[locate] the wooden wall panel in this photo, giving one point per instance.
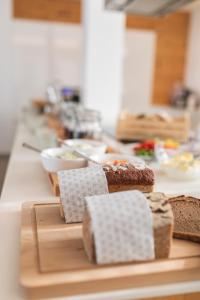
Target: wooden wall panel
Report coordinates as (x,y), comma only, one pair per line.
(138,22)
(193,296)
(171,50)
(68,11)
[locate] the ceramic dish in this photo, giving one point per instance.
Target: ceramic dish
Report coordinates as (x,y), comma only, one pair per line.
(110,158)
(57,159)
(89,147)
(182,167)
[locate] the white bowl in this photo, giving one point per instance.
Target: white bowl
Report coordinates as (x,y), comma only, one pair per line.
(111,157)
(176,173)
(51,163)
(89,147)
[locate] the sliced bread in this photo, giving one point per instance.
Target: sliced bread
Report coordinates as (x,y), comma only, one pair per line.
(186,211)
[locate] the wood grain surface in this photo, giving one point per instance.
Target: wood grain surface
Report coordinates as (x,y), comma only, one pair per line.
(67,11)
(53,262)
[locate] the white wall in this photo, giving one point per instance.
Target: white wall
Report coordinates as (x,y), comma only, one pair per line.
(7,110)
(103,59)
(140,47)
(192,77)
(32,54)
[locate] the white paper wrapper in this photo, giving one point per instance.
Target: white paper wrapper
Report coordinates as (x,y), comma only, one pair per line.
(122,227)
(75,185)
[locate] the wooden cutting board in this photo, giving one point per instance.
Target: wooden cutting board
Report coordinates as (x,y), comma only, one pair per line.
(53,261)
(54,183)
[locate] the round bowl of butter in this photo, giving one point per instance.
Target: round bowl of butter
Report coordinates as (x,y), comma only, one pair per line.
(57,159)
(183,166)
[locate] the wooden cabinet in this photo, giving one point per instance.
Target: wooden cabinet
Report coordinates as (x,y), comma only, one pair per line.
(68,11)
(171,50)
(194,296)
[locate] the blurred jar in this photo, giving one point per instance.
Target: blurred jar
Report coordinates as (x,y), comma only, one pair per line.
(80,122)
(66,94)
(88,125)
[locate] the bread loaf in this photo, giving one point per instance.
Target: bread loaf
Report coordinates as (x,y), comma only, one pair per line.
(162,227)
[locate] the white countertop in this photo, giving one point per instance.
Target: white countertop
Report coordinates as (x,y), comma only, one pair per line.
(27,181)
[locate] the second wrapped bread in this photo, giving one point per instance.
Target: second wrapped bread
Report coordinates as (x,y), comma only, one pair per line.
(130,224)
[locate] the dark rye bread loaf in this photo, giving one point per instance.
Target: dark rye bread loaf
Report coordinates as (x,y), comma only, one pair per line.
(129,177)
(186,211)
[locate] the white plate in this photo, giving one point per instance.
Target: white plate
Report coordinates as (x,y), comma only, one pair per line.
(110,157)
(89,147)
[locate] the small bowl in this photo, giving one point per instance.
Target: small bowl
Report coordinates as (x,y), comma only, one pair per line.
(176,173)
(111,157)
(89,147)
(51,163)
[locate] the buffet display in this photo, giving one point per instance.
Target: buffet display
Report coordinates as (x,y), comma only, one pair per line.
(109,215)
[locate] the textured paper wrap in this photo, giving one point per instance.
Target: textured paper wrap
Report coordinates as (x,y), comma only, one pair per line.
(122,227)
(75,185)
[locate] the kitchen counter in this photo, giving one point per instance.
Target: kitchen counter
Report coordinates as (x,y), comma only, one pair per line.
(27,181)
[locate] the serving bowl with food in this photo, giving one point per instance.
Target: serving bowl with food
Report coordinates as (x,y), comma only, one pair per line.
(183,166)
(57,159)
(146,149)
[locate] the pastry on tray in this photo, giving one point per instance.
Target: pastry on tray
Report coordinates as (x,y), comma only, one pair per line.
(162,225)
(123,176)
(186,211)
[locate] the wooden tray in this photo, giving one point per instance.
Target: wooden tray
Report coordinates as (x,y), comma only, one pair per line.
(54,183)
(130,128)
(53,261)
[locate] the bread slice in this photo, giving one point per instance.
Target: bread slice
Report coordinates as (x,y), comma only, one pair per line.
(186,211)
(162,227)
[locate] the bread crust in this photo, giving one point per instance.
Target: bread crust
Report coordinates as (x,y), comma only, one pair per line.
(127,187)
(88,238)
(187,236)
